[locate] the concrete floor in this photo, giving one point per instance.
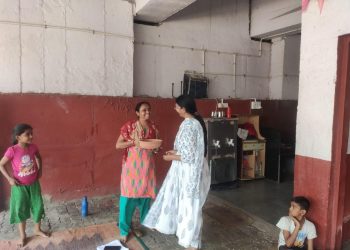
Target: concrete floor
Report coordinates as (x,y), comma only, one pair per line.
(263,198)
(346,245)
(226,227)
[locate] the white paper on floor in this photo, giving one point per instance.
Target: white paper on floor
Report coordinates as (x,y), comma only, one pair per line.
(115,243)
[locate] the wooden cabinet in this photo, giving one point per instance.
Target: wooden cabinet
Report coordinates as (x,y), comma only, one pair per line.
(251,152)
(252,159)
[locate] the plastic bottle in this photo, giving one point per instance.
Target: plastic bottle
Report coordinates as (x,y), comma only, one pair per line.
(84,207)
(229,112)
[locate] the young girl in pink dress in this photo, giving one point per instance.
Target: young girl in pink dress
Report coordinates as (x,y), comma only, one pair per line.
(26,196)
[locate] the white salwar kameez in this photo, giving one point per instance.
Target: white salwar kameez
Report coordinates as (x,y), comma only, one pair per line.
(178,206)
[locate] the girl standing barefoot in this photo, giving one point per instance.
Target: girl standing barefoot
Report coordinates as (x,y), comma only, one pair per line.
(25,187)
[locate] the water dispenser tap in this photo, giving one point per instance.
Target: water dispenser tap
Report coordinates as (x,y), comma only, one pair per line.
(216,143)
(230,142)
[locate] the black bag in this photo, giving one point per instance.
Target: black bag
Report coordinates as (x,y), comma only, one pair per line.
(112,248)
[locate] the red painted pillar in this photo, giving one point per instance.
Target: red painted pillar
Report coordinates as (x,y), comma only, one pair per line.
(325,182)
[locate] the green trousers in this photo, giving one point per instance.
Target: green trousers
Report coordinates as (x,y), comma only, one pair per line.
(127,208)
(26,200)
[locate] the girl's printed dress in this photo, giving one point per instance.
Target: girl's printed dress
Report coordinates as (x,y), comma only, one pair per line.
(138,173)
(178,206)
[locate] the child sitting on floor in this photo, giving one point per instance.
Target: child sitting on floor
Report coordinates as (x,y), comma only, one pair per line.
(295,228)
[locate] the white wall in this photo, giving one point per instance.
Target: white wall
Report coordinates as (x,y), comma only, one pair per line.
(66,56)
(163,53)
(139,4)
(277,68)
(269,17)
(291,67)
(284,72)
(318,68)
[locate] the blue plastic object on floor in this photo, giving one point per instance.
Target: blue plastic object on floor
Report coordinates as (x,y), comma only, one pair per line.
(84,207)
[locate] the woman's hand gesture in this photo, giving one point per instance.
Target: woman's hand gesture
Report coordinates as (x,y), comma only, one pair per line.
(171,152)
(135,139)
(136,142)
(167,157)
(171,155)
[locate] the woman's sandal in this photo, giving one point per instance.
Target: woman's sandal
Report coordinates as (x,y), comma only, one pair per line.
(123,238)
(137,232)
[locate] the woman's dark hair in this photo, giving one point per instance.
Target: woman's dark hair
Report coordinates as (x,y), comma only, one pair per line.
(18,130)
(187,102)
(138,106)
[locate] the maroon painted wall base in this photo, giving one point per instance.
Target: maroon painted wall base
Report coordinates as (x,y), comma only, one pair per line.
(312,180)
(76,136)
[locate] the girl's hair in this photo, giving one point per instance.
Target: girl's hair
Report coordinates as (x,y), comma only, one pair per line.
(18,130)
(187,102)
(138,106)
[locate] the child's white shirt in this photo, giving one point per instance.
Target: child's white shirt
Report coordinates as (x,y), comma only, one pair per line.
(307,231)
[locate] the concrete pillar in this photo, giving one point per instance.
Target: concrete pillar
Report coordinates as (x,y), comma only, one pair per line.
(314,139)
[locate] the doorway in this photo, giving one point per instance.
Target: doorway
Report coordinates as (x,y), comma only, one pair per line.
(339,231)
(269,198)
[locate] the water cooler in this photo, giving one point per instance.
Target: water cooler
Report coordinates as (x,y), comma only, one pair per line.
(222,149)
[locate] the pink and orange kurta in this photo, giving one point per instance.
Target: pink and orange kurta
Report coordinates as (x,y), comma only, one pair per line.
(138,169)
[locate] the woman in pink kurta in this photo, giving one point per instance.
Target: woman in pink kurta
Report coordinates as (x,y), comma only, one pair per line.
(138,182)
(138,177)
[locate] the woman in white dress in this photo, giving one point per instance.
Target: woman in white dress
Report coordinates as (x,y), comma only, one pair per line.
(178,206)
